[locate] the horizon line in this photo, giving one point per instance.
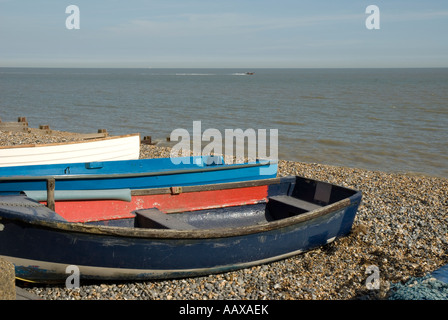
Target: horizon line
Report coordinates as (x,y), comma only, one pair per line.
(248,68)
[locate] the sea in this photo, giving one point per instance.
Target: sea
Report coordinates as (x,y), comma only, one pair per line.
(393,120)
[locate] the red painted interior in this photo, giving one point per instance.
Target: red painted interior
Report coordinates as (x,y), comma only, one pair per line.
(95,210)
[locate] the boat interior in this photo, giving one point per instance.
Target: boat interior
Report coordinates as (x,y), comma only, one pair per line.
(287,199)
(237,205)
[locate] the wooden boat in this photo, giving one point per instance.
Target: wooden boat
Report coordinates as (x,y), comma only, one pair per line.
(198,230)
(131,174)
(124,147)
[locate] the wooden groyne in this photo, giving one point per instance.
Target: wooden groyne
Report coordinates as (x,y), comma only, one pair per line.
(22,126)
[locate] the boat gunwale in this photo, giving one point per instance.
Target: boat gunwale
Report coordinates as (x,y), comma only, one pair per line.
(171,234)
(137,174)
(83,141)
(207,187)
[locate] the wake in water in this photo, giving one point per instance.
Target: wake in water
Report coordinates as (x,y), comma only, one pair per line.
(212,74)
(195,74)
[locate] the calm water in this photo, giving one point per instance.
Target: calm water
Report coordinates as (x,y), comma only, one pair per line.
(382,119)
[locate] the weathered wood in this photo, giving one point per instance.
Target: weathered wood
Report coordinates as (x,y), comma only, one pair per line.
(207,187)
(87,136)
(147,140)
(80,136)
(45,128)
(154,218)
(14,126)
(176,190)
(305,205)
(22,119)
(51,183)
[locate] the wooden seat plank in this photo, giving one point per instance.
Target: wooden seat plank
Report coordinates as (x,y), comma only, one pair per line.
(154,218)
(305,205)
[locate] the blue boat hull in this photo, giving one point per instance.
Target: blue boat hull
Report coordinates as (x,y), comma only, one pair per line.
(130,174)
(42,248)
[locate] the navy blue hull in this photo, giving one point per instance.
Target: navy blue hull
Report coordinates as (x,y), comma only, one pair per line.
(163,258)
(42,251)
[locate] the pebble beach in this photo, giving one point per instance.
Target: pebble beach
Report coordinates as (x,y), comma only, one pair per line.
(401,231)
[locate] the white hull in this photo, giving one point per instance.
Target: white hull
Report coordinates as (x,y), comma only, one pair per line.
(125,147)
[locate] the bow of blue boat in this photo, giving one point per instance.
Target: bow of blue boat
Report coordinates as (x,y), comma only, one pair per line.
(133,174)
(110,167)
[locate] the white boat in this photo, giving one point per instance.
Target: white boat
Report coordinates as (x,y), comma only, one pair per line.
(124,147)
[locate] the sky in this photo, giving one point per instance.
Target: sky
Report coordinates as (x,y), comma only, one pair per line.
(224,34)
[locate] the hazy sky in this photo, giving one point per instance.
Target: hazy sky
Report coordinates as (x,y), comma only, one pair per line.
(224,33)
